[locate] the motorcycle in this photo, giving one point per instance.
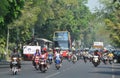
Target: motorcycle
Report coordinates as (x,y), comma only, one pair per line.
(105,59)
(69,57)
(78,56)
(96,61)
(36,62)
(57,63)
(74,59)
(50,59)
(110,60)
(42,65)
(15,65)
(85,59)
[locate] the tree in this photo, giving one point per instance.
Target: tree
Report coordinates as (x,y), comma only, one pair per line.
(112,16)
(9,10)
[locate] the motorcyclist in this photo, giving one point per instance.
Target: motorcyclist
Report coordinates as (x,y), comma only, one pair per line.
(85,55)
(37,53)
(15,54)
(69,55)
(44,55)
(110,57)
(110,54)
(58,55)
(97,53)
(50,55)
(74,57)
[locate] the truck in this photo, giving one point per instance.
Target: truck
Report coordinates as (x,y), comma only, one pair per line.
(98,45)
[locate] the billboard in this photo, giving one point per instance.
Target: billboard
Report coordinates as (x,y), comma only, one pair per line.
(98,43)
(30,49)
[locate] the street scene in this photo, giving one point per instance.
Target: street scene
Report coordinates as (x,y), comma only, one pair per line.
(59,38)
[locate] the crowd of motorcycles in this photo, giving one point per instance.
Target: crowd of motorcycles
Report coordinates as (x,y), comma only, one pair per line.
(43,65)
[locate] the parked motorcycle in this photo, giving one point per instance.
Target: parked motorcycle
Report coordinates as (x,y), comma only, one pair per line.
(15,65)
(96,61)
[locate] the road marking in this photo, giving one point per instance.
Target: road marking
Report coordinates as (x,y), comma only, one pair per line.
(49,76)
(113,75)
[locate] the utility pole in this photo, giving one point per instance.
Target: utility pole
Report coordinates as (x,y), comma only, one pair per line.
(7,42)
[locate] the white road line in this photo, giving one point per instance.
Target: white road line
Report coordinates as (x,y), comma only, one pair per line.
(49,76)
(113,75)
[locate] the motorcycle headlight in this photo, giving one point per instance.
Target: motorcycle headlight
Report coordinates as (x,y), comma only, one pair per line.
(14,58)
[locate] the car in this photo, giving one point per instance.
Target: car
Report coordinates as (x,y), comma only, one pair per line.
(64,53)
(116,58)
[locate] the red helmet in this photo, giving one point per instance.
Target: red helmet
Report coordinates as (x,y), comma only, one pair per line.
(44,49)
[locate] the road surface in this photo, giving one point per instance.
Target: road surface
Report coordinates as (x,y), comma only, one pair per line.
(68,70)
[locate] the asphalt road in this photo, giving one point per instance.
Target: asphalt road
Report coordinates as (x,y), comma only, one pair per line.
(68,70)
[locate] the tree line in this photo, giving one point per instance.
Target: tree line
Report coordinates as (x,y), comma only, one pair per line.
(21,19)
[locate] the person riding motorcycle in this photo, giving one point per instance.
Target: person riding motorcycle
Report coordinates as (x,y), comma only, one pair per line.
(44,55)
(110,57)
(69,55)
(50,56)
(37,53)
(97,53)
(74,57)
(85,55)
(58,56)
(15,54)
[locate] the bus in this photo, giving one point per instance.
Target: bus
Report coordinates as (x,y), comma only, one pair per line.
(62,40)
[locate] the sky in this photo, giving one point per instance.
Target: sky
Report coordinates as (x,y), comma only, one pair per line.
(92,4)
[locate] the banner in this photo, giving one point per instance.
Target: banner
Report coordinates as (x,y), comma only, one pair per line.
(30,49)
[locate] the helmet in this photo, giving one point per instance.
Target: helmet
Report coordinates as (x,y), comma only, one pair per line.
(96,50)
(44,49)
(37,49)
(15,49)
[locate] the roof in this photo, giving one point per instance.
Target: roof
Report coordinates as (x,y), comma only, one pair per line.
(46,40)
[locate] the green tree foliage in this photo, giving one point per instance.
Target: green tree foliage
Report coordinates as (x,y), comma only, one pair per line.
(9,10)
(45,16)
(112,16)
(69,15)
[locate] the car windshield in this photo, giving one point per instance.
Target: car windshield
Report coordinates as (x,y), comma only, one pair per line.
(118,53)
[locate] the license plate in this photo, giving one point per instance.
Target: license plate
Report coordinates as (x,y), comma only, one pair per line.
(42,62)
(115,61)
(14,62)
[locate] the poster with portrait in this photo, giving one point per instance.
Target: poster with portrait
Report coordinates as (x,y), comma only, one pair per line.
(30,49)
